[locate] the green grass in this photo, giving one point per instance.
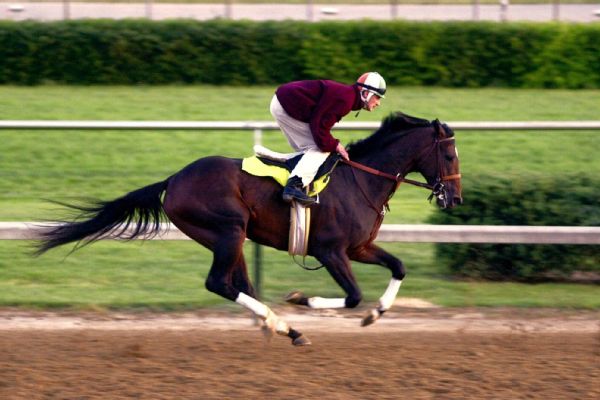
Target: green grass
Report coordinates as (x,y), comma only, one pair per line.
(170,275)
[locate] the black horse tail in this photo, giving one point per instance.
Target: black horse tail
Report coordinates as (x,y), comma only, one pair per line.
(135,214)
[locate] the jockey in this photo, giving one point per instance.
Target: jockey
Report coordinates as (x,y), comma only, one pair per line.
(307,110)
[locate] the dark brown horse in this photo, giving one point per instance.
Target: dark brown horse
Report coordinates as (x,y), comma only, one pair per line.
(218,205)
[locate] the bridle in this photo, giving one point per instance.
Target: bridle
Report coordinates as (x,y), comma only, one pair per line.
(438,189)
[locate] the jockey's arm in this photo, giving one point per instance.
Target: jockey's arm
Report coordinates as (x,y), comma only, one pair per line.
(342,151)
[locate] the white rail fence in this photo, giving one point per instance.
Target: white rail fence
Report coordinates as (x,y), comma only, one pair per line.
(259,126)
(388,233)
(399,233)
(323,10)
(270,125)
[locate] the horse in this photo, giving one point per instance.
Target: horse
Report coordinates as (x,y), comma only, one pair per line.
(218,205)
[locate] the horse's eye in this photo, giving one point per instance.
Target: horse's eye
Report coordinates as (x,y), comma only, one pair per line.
(449,157)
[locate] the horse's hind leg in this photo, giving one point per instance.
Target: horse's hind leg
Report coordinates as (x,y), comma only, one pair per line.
(233,283)
(228,276)
(241,280)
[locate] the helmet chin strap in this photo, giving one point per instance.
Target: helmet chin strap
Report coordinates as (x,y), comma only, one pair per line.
(365,98)
(364,103)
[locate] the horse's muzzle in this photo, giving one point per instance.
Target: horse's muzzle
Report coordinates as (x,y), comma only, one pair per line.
(457,201)
(443,202)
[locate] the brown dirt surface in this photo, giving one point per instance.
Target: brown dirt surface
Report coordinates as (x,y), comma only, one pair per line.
(411,354)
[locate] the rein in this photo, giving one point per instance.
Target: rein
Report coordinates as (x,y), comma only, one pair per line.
(396,178)
(437,189)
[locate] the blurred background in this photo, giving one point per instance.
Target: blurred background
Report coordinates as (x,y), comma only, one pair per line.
(515,319)
(309,10)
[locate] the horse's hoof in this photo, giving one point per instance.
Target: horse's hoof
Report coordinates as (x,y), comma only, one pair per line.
(301,341)
(295,297)
(267,332)
(370,318)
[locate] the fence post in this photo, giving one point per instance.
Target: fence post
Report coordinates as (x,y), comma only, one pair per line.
(504,10)
(394,9)
(66,9)
(148,9)
(309,10)
(258,270)
(257,136)
(228,9)
(475,10)
(555,10)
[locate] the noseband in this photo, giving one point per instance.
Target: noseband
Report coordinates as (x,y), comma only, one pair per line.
(438,189)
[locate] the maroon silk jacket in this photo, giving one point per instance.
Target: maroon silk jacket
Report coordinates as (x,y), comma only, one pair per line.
(320,104)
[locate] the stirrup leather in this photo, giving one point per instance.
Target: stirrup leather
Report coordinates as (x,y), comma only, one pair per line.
(299,229)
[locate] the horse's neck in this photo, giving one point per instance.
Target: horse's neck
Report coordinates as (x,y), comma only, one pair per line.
(397,159)
(394,160)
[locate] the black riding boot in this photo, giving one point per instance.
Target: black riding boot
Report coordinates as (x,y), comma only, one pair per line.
(293,191)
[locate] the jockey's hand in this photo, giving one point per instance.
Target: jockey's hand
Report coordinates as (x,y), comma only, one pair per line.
(342,151)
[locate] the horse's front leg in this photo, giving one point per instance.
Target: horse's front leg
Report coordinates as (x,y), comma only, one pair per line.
(338,266)
(373,254)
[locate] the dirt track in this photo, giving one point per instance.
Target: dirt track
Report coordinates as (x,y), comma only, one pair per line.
(416,354)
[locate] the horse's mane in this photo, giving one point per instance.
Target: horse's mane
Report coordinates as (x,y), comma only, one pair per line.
(393,126)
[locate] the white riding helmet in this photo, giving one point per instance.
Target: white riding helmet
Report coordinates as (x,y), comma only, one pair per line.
(373,83)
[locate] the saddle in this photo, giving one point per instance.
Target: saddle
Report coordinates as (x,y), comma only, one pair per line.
(278,166)
(268,163)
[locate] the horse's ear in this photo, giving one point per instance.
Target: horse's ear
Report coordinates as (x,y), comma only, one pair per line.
(439,129)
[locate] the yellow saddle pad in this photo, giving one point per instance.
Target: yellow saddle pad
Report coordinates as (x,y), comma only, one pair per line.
(254,166)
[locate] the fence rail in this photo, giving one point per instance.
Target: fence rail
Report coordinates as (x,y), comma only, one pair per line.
(270,125)
(391,233)
(502,10)
(400,233)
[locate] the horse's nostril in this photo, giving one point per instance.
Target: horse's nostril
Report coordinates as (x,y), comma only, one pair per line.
(458,200)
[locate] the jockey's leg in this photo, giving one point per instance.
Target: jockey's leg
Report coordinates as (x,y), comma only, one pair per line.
(299,136)
(302,175)
(309,164)
(297,133)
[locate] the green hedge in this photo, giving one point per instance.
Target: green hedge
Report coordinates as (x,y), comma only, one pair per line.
(233,52)
(543,201)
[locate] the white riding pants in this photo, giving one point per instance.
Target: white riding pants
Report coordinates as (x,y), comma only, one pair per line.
(299,136)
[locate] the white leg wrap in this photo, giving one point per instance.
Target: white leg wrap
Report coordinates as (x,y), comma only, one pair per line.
(262,311)
(253,305)
(320,302)
(277,324)
(386,301)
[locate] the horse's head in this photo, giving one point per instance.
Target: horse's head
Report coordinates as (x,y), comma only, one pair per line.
(438,163)
(406,144)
